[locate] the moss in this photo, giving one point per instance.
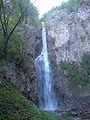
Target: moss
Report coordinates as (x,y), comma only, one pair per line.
(14,106)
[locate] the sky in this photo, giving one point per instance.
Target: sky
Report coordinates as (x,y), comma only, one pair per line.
(44,6)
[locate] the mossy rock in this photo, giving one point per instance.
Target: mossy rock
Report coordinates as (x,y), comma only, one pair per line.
(14,106)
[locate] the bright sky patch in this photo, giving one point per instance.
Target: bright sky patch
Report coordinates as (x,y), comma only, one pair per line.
(45,5)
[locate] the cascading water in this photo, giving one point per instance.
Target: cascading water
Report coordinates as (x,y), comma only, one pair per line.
(44,75)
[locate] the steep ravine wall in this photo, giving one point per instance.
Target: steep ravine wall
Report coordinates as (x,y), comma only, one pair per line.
(68,34)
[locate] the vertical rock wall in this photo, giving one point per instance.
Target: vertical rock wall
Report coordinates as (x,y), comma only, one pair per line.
(68,35)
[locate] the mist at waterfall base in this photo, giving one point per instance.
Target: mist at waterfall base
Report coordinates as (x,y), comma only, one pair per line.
(47,98)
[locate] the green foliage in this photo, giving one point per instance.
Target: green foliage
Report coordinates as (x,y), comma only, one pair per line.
(70,4)
(21,5)
(17,12)
(86,62)
(1,40)
(67,118)
(2,64)
(75,73)
(14,44)
(14,106)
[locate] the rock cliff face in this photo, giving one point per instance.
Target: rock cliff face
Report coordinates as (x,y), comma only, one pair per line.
(21,70)
(68,34)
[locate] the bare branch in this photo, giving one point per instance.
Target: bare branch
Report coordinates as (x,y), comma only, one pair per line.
(2,24)
(16,24)
(10,13)
(6,42)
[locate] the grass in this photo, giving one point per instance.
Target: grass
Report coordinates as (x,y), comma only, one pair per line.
(14,106)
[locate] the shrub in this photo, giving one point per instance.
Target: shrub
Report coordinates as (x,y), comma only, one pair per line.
(74,73)
(86,62)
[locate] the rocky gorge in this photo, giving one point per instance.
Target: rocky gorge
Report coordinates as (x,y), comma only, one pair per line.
(68,44)
(68,41)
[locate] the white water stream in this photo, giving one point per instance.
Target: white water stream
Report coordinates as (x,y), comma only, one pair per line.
(45,80)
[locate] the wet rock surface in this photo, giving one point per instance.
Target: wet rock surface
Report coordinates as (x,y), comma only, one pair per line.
(80,111)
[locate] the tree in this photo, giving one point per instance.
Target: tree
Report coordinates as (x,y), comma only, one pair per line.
(12,13)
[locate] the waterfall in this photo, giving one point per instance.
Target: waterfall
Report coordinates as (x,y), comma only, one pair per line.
(44,75)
